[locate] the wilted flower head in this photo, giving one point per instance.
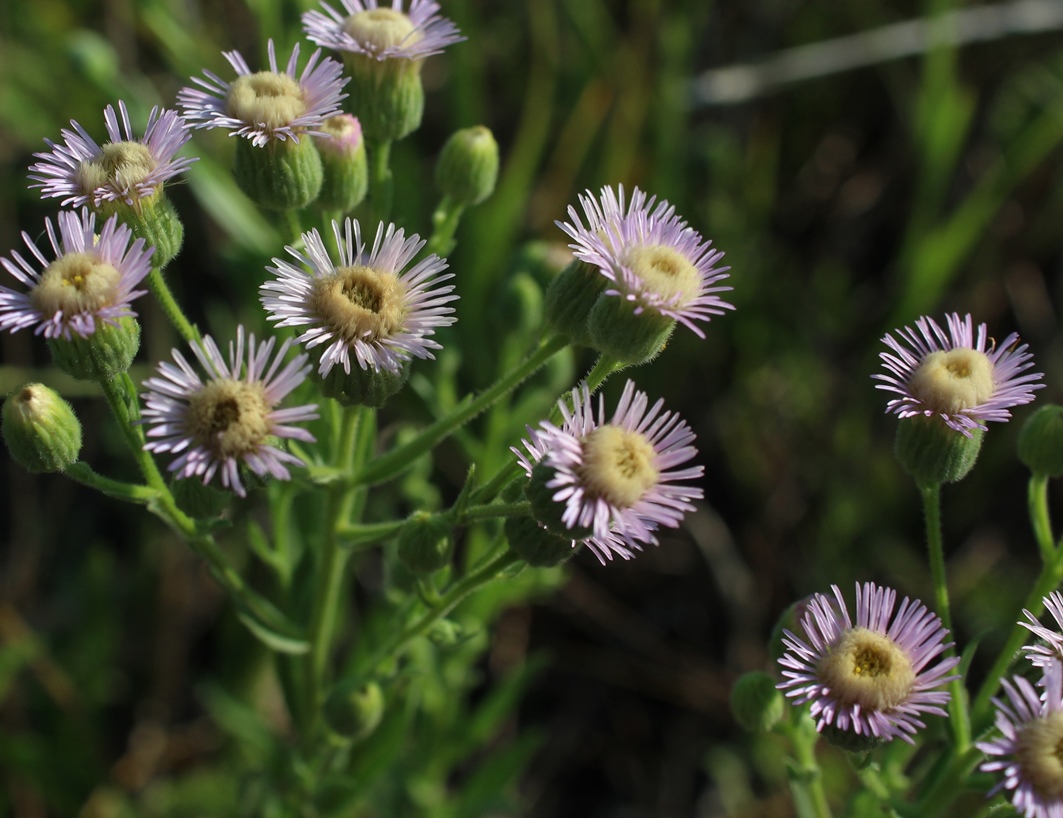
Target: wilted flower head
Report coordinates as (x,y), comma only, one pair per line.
(875,679)
(382,33)
(267,105)
(1051,650)
(615,481)
(230,417)
(124,169)
(365,306)
(92,279)
(1027,751)
(652,258)
(963,378)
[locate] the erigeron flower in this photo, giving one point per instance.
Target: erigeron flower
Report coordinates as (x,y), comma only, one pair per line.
(123,169)
(962,377)
(875,679)
(367,306)
(1042,655)
(1026,753)
(653,260)
(382,33)
(230,418)
(267,106)
(611,484)
(90,282)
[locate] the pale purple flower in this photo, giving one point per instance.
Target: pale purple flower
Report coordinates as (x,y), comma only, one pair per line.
(1026,754)
(124,169)
(91,280)
(229,418)
(1043,655)
(875,679)
(382,33)
(652,258)
(618,478)
(267,105)
(366,306)
(963,377)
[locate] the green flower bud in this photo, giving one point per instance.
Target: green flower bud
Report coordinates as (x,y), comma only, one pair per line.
(546,510)
(570,298)
(535,545)
(353,710)
(107,352)
(346,175)
(281,175)
(467,169)
(933,453)
(386,95)
(40,428)
(616,330)
(425,544)
(359,387)
(756,702)
(520,308)
(198,500)
(1041,441)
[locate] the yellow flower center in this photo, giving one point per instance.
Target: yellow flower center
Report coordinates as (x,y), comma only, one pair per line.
(76,283)
(229,417)
(265,98)
(118,164)
(665,271)
(1039,751)
(377,29)
(618,465)
(360,303)
(953,381)
(868,669)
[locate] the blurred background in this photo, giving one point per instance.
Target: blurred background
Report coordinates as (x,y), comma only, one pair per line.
(861,164)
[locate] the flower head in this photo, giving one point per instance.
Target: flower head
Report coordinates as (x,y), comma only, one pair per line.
(1027,751)
(963,378)
(366,306)
(651,257)
(124,169)
(267,106)
(229,418)
(1042,655)
(874,679)
(92,279)
(613,482)
(382,33)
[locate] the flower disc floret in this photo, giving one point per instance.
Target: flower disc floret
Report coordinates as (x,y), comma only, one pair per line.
(960,376)
(367,306)
(873,679)
(651,257)
(230,418)
(267,106)
(619,477)
(92,278)
(124,169)
(382,33)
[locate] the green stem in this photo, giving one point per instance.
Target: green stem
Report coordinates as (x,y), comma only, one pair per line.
(944,790)
(131,492)
(487,512)
(161,290)
(444,224)
(806,782)
(396,461)
(355,534)
(380,181)
(958,716)
(1037,500)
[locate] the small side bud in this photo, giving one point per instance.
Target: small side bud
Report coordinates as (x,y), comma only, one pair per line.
(1041,441)
(425,544)
(343,160)
(40,429)
(756,702)
(353,710)
(280,175)
(933,453)
(535,545)
(467,169)
(109,351)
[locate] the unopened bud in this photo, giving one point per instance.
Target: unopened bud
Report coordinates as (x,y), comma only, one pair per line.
(353,710)
(467,169)
(756,702)
(1041,441)
(40,428)
(343,159)
(425,544)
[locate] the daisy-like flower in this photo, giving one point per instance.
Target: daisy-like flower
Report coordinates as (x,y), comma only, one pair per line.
(267,106)
(91,282)
(366,306)
(1027,751)
(875,679)
(611,483)
(230,417)
(382,33)
(124,169)
(962,377)
(651,257)
(1051,649)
